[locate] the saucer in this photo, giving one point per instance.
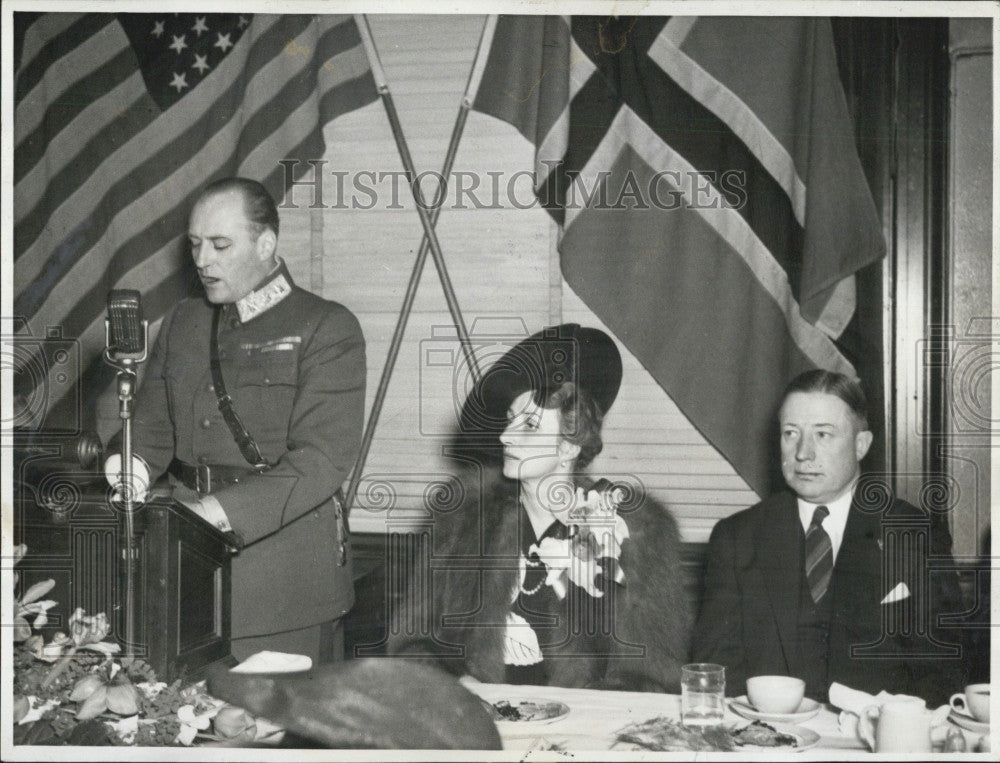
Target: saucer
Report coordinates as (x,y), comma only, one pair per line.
(968,722)
(807,709)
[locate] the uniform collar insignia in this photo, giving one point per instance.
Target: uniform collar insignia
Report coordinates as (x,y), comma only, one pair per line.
(275,288)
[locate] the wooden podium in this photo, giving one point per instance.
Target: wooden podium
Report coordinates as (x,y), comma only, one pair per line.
(76,536)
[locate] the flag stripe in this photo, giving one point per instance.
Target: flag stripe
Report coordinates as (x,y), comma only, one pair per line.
(152,154)
(781,98)
(88,323)
(695,133)
(667,307)
(839,308)
(149,235)
(677,29)
(532,95)
(59,48)
(332,105)
(67,108)
(630,132)
(38,31)
(293,139)
(728,107)
(295,92)
(721,275)
(334,42)
(257,106)
(553,148)
(144,213)
(74,154)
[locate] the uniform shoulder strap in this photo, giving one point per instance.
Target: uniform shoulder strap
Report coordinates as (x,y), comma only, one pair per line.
(244,441)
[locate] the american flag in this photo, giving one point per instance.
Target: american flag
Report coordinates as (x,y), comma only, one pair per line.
(119,120)
(712,205)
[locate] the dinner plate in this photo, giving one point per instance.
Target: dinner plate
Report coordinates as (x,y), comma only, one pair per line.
(535,710)
(807,709)
(968,722)
(804,739)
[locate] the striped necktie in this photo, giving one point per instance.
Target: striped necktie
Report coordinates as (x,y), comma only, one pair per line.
(819,555)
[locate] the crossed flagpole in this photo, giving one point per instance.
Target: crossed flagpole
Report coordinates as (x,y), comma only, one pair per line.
(428,220)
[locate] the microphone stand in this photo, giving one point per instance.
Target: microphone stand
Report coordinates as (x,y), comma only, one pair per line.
(126,365)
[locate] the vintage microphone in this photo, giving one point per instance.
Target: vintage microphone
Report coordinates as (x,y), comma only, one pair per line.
(126,335)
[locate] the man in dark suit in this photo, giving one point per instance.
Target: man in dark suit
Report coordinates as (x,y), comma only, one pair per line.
(833,581)
(293,365)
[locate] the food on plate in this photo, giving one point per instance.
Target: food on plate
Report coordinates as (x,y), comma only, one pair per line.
(763,735)
(527,711)
(667,735)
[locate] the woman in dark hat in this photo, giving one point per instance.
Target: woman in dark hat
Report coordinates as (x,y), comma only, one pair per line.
(542,575)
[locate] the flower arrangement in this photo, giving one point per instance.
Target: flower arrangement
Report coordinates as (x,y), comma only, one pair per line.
(76,690)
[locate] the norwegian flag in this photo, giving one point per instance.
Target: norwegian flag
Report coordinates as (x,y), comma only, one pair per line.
(712,205)
(119,121)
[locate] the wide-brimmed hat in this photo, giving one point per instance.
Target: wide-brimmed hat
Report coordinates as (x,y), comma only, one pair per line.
(587,357)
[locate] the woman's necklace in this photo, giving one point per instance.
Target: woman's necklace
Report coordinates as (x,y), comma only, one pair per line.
(535,565)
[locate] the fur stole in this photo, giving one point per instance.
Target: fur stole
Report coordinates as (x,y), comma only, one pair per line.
(474,572)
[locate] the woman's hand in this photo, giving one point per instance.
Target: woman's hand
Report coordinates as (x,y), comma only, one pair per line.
(601,502)
(596,533)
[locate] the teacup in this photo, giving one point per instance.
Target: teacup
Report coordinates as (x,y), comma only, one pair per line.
(776,694)
(974,701)
(903,725)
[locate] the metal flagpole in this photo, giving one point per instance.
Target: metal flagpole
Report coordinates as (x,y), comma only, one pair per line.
(429,240)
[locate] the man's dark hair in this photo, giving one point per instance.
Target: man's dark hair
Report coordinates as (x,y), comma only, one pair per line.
(836,384)
(258,205)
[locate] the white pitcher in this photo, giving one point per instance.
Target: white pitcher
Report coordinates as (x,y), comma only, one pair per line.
(899,725)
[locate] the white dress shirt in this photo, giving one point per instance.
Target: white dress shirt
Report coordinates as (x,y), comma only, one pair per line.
(834,524)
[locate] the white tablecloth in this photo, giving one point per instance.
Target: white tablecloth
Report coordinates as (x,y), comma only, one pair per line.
(596,716)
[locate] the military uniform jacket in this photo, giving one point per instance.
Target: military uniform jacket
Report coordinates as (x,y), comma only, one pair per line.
(296,374)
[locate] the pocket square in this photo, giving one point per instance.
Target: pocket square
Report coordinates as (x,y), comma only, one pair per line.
(898,593)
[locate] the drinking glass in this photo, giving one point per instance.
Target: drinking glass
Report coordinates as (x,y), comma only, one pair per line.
(703,694)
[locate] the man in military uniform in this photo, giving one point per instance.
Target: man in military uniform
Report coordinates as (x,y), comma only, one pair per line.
(294,367)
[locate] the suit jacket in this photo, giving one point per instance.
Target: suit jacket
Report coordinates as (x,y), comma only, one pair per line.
(476,570)
(749,614)
(296,373)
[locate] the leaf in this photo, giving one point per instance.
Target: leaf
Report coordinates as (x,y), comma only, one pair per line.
(89,733)
(232,722)
(94,705)
(123,699)
(37,591)
(85,687)
(39,732)
(22,631)
(21,707)
(43,614)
